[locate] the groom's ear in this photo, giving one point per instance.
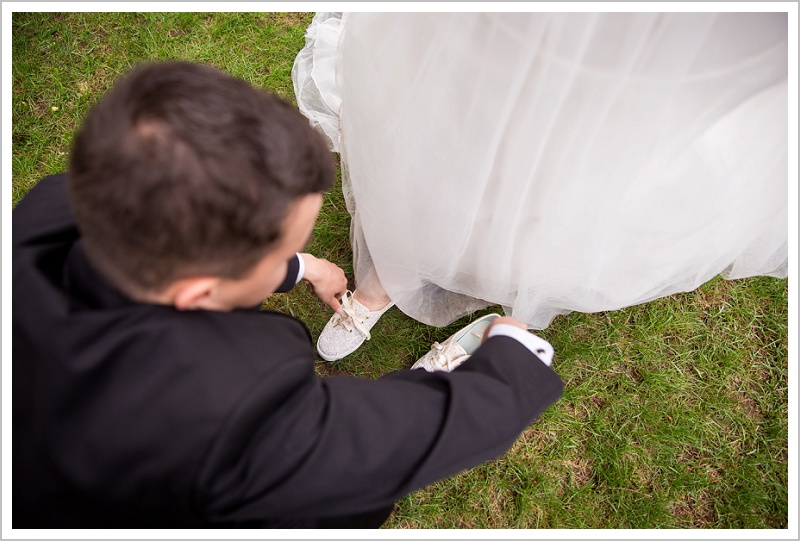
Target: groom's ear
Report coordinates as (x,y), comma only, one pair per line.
(196,293)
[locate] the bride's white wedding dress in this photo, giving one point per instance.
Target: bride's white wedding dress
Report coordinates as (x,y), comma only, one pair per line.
(553,162)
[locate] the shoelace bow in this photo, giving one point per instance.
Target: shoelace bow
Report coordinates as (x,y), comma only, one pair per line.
(441,356)
(348,318)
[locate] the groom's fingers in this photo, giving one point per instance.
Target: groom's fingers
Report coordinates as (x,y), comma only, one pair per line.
(330,300)
(327,280)
(334,303)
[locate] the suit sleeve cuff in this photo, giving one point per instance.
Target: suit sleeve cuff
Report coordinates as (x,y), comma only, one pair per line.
(294,273)
(538,346)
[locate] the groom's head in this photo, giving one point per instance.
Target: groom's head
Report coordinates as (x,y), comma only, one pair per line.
(182,171)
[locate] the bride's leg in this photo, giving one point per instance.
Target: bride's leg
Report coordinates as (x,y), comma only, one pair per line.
(370,292)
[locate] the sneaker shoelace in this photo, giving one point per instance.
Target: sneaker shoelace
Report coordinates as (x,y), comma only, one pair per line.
(443,356)
(348,318)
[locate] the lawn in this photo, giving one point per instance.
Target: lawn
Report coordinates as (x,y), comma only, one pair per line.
(674,415)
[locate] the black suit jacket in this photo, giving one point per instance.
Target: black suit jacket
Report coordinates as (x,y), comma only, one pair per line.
(139,415)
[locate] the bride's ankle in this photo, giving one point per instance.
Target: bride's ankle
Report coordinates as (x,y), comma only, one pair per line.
(372,301)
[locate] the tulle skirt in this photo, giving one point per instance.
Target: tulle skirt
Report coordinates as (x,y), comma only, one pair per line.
(552,162)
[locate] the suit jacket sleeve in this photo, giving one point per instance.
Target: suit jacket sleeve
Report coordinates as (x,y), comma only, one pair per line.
(343,445)
(292,270)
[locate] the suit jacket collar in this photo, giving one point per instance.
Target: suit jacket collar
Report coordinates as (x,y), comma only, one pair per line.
(87,286)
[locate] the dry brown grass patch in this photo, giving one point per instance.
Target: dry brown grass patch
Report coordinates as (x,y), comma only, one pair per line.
(694,511)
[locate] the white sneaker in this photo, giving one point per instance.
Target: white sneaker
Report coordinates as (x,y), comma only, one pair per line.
(346,331)
(456,349)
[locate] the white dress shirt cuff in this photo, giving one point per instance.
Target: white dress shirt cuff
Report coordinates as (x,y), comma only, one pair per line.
(301,269)
(538,346)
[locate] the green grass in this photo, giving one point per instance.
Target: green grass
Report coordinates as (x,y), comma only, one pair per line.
(674,413)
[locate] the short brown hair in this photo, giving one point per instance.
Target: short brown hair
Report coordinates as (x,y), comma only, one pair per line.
(183,170)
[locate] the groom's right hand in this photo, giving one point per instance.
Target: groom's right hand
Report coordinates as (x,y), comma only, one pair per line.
(326,279)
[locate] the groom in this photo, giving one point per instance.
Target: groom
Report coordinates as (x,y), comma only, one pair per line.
(149,390)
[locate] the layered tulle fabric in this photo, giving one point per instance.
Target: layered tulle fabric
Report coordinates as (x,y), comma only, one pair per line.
(552,162)
(314,76)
